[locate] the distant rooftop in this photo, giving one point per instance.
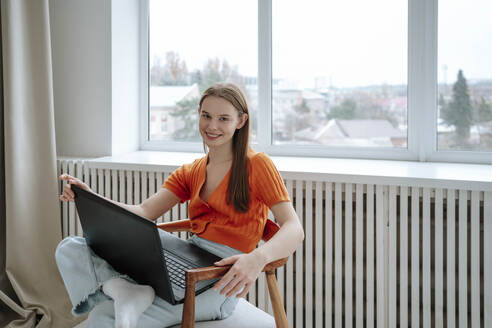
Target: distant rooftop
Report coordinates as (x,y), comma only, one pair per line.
(353,129)
(168,96)
(370,129)
(311,95)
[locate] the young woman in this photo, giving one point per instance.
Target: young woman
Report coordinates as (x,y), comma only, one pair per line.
(230,191)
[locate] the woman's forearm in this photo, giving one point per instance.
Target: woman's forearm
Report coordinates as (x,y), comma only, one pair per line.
(282,244)
(137,209)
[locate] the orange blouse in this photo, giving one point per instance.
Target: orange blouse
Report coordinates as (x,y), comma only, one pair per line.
(218,221)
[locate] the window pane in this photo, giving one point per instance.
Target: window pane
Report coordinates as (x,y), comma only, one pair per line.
(465,75)
(340,73)
(189,51)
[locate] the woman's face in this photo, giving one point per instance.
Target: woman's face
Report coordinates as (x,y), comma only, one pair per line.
(218,121)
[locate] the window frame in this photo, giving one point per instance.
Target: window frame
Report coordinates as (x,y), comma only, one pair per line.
(421,95)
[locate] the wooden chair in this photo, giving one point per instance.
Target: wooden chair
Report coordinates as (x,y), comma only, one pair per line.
(195,275)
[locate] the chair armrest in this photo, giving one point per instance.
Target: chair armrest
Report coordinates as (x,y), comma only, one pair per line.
(275,264)
(195,275)
(181,225)
(211,272)
(205,273)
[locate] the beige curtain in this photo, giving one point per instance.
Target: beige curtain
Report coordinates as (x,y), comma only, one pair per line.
(32,293)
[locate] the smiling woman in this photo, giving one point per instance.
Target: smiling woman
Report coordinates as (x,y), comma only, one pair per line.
(230,190)
(229,137)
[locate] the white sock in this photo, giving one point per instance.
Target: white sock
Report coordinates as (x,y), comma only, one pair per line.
(130,300)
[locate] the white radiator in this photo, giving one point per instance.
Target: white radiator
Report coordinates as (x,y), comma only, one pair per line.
(374,255)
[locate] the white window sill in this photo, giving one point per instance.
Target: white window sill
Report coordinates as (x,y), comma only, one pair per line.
(402,173)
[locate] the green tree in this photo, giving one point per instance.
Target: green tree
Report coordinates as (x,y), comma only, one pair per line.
(187,111)
(303,117)
(197,77)
(175,69)
(458,112)
(302,107)
(212,73)
(345,111)
(173,72)
(215,71)
(362,106)
(157,72)
(483,111)
(442,102)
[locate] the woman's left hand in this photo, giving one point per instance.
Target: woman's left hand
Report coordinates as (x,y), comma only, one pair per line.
(242,275)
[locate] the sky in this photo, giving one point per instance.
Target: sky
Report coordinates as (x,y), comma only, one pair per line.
(465,39)
(342,43)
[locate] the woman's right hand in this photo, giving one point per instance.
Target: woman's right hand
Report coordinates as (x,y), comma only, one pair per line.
(68,194)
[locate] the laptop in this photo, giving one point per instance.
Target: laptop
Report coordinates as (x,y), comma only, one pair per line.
(132,245)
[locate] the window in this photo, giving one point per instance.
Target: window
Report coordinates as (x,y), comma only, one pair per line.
(187,55)
(339,73)
(343,79)
(465,75)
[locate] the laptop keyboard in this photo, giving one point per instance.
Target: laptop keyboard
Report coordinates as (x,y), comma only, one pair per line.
(176,269)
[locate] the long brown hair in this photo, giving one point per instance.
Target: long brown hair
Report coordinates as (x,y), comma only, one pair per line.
(238,188)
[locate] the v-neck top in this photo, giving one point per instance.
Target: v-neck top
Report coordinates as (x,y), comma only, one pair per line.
(218,221)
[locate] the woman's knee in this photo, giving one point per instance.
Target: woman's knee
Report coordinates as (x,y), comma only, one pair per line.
(102,315)
(69,248)
(69,243)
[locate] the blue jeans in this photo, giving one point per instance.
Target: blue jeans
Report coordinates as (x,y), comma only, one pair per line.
(83,273)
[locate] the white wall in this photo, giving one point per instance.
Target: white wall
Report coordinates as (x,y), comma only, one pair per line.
(95,76)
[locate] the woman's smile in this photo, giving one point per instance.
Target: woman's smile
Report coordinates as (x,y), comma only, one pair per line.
(213,136)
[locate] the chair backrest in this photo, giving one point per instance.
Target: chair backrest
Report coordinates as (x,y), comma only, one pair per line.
(270,229)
